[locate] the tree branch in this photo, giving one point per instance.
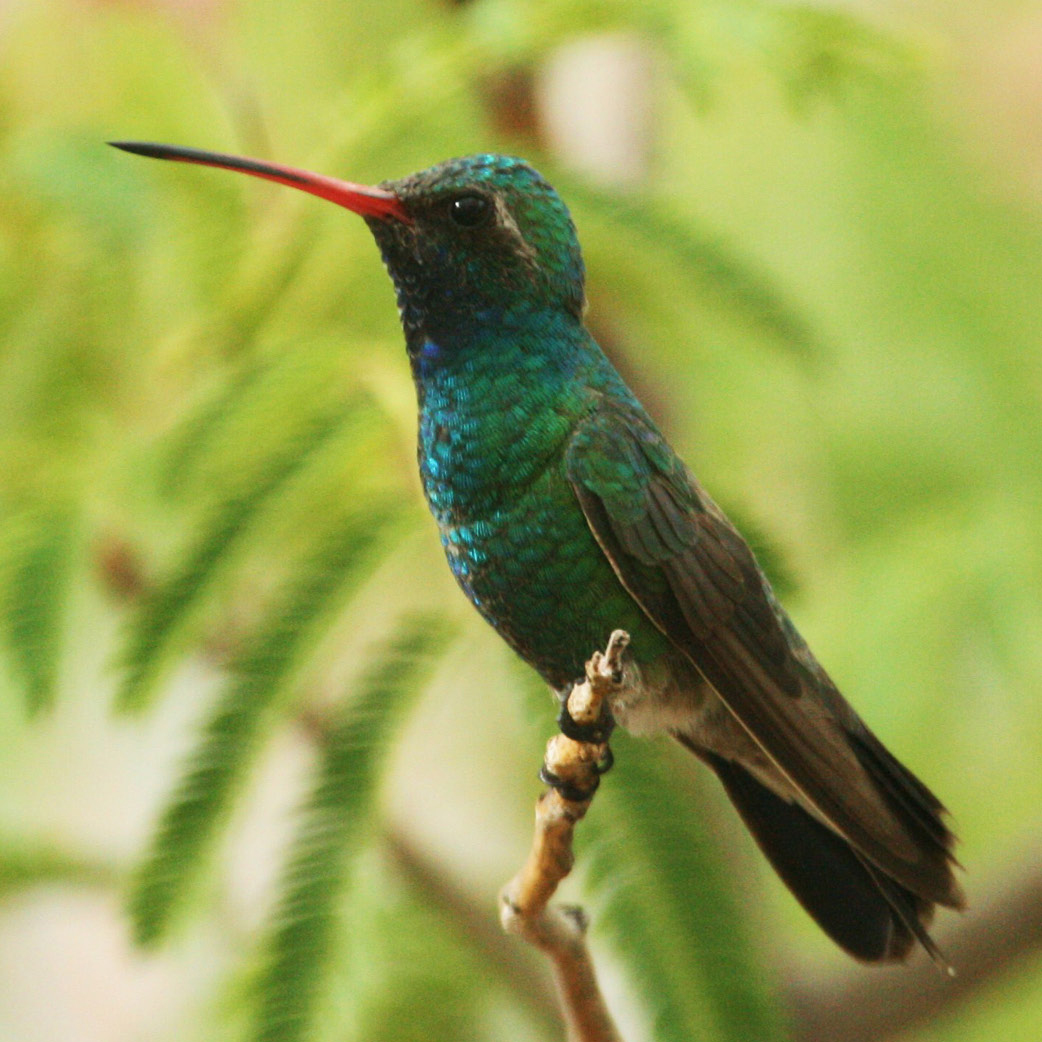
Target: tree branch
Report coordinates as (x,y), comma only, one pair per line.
(572,768)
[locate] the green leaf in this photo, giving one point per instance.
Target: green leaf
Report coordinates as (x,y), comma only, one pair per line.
(202,421)
(247,407)
(37,567)
(167,610)
(669,903)
(336,820)
(244,713)
(413,969)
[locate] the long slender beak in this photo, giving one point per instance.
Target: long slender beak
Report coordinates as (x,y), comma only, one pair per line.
(360,199)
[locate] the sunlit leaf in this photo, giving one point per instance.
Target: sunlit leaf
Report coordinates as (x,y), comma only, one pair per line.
(705,258)
(23,866)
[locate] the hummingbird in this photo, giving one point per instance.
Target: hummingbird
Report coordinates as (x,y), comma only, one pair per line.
(565,514)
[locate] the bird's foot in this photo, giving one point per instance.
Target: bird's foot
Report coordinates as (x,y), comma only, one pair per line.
(596,733)
(578,756)
(569,790)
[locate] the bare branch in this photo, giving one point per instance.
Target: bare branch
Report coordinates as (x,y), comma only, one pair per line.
(572,768)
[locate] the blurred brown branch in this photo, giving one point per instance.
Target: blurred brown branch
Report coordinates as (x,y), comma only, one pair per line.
(991,940)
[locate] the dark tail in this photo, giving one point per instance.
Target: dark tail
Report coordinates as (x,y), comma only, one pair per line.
(863,911)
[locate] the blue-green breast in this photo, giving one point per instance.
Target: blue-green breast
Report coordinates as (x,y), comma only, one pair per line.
(494,424)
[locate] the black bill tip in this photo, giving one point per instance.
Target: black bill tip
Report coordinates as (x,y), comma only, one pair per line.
(148,148)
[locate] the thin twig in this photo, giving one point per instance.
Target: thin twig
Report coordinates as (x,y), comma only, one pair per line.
(572,768)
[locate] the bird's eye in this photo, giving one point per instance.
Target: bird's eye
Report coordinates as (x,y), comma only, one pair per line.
(470,211)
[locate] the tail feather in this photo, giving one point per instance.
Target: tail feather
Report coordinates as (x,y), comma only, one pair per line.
(865,912)
(908,797)
(914,912)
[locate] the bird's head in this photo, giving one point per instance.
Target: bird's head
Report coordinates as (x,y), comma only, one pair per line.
(487,236)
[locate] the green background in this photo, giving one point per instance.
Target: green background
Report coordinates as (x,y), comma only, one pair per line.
(249,721)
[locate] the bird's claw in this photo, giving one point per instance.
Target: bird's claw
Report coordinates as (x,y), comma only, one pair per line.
(596,733)
(565,789)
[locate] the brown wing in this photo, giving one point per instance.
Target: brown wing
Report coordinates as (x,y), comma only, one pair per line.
(697,580)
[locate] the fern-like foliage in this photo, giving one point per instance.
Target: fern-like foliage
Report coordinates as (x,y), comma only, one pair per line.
(243,715)
(334,823)
(668,901)
(809,48)
(168,609)
(37,551)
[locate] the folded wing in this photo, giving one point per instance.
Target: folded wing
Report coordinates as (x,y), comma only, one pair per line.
(698,581)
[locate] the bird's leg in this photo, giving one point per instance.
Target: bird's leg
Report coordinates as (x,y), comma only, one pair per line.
(572,768)
(567,790)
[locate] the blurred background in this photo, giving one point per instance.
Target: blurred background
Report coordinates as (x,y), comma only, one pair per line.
(263,771)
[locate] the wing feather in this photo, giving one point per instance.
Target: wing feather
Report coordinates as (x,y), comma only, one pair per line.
(698,581)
